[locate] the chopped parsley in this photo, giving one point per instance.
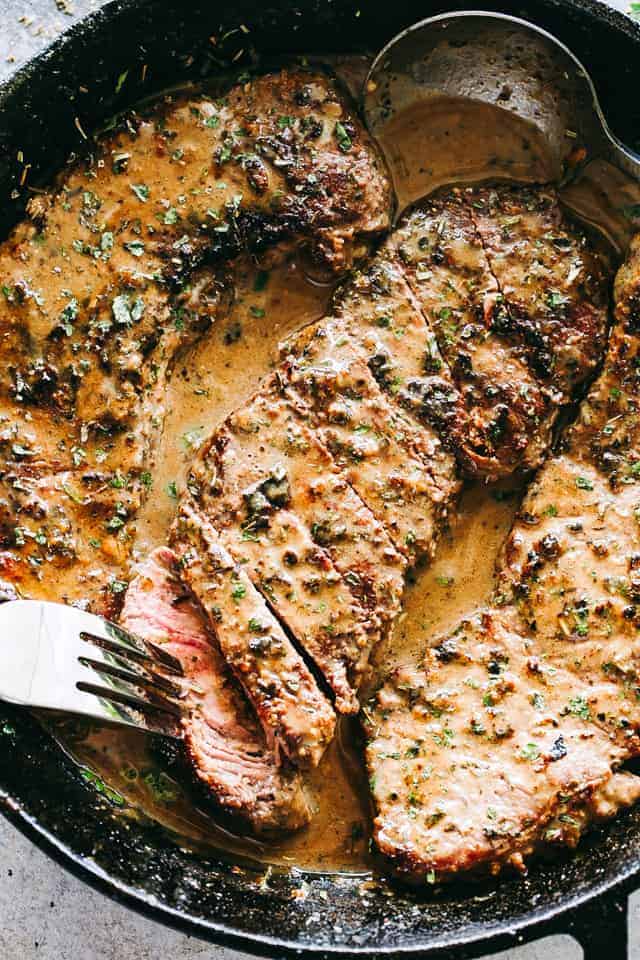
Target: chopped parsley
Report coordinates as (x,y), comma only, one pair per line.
(578,707)
(122,79)
(582,483)
(343,138)
(125,311)
(141,191)
(239,591)
(135,248)
(444,581)
(102,788)
(171,216)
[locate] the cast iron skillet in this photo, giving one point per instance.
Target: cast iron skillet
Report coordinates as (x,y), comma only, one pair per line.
(40,791)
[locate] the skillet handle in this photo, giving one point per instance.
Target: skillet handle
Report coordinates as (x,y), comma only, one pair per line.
(600,926)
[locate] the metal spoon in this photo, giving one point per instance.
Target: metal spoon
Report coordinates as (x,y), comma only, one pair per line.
(476,95)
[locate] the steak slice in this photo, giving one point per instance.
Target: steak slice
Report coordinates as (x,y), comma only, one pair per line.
(398,469)
(267,457)
(226,747)
(551,283)
(509,734)
(295,714)
(296,576)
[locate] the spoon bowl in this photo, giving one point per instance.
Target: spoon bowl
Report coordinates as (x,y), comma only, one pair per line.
(471,96)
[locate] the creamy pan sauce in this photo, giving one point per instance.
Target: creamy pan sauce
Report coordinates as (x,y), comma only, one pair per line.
(217,377)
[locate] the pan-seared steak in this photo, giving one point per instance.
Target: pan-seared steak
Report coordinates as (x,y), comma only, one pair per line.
(454,348)
(295,714)
(399,468)
(124,265)
(225,744)
(265,478)
(341,470)
(516,300)
(508,734)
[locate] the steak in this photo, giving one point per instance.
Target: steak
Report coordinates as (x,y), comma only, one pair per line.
(516,299)
(126,263)
(266,479)
(341,471)
(455,348)
(510,733)
(294,713)
(400,470)
(227,749)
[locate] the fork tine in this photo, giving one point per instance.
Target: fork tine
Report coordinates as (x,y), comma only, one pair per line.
(142,666)
(156,651)
(71,661)
(128,651)
(130,700)
(152,682)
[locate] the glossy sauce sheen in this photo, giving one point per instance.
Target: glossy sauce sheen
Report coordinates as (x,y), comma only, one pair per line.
(213,379)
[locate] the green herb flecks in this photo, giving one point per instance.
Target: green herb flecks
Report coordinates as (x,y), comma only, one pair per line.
(141,191)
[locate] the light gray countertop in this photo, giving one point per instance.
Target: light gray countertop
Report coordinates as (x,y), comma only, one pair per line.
(45,913)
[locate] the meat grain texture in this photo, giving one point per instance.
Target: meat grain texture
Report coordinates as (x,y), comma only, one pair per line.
(224,741)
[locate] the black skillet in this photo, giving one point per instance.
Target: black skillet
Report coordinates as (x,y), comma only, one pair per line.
(43,112)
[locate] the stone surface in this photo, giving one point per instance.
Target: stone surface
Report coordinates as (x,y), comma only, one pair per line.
(45,912)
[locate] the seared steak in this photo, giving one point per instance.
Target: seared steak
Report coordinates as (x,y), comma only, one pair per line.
(399,469)
(265,460)
(509,732)
(122,266)
(325,471)
(517,302)
(226,746)
(295,714)
(477,321)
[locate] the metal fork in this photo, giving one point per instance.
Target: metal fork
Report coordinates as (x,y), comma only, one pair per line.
(56,657)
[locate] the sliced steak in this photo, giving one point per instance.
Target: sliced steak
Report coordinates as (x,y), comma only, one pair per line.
(509,733)
(265,456)
(296,576)
(301,483)
(400,471)
(226,746)
(295,714)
